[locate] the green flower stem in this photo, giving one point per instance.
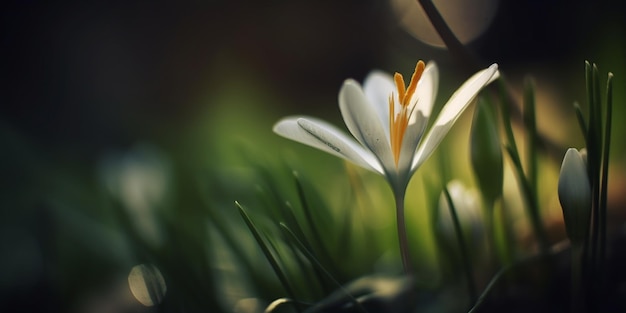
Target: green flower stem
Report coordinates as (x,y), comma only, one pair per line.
(502,236)
(467,262)
(491,231)
(497,242)
(402,236)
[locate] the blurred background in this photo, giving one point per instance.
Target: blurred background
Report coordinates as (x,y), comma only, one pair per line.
(127,129)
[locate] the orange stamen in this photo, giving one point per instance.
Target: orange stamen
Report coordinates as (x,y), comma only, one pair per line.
(398,123)
(417,74)
(399,80)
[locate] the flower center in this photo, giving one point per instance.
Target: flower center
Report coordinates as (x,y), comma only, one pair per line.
(398,122)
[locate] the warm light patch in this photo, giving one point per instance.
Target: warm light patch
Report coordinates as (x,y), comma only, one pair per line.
(398,122)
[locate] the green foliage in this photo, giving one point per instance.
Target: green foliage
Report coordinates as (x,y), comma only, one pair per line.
(307,229)
(486,151)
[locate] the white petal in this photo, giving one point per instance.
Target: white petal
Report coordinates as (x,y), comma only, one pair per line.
(378,86)
(411,140)
(363,122)
(432,140)
(326,137)
(451,112)
(465,94)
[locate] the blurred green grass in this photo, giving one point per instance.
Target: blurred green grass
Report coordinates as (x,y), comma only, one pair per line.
(68,241)
(68,231)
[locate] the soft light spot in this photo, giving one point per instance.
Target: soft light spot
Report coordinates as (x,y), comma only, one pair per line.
(147,284)
(139,179)
(467,19)
(248,305)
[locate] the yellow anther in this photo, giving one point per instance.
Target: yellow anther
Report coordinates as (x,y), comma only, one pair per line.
(399,80)
(417,74)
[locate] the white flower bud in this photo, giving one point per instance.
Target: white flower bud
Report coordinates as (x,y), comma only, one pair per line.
(467,204)
(575,196)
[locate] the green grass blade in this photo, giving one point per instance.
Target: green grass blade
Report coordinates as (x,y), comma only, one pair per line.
(302,276)
(591,129)
(290,217)
(266,251)
(530,123)
(531,200)
(527,190)
(221,225)
(505,110)
(320,266)
(308,214)
(592,119)
(597,100)
(467,262)
(581,122)
(594,159)
(605,165)
(313,226)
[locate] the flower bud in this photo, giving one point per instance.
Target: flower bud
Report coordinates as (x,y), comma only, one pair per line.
(467,206)
(486,152)
(575,196)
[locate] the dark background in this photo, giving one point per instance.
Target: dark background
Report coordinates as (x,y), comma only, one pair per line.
(97,74)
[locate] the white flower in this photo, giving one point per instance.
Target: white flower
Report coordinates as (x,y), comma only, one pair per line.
(388,121)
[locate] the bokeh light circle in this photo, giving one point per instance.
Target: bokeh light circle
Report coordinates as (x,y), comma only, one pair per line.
(147,284)
(467,19)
